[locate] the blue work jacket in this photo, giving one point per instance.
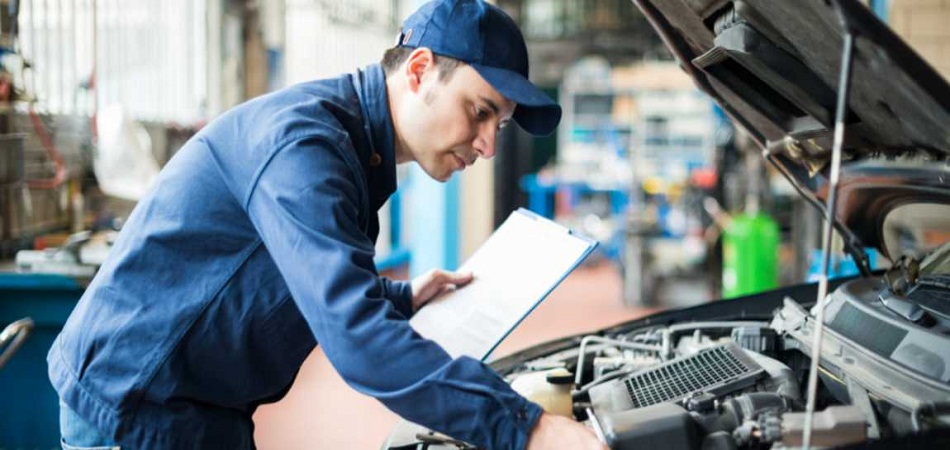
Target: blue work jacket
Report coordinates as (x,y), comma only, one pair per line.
(255,244)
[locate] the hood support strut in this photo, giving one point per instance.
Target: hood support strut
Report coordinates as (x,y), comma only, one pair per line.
(844,86)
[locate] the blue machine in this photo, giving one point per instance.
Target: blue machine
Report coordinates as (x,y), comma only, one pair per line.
(29,407)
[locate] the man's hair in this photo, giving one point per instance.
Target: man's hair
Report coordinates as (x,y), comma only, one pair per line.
(394,57)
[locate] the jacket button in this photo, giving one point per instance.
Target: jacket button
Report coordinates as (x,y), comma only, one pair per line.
(375,159)
(522,414)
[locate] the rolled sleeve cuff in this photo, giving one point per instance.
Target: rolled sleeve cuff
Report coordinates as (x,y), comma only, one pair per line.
(525,416)
(400,293)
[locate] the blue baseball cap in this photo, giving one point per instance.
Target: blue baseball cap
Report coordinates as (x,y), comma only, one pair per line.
(484,37)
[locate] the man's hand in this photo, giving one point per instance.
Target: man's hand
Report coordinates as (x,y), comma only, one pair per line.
(434,283)
(557,432)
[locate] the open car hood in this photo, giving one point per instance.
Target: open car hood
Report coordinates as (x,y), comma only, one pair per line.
(773,66)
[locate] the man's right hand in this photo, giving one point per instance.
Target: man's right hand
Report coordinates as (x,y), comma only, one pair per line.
(557,432)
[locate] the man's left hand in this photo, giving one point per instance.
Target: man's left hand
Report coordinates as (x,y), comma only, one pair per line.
(432,284)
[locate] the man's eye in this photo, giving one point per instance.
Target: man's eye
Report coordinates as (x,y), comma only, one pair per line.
(481,114)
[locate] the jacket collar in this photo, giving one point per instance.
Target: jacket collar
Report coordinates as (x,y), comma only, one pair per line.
(370,86)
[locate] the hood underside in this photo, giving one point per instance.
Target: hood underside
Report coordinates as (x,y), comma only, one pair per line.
(774,68)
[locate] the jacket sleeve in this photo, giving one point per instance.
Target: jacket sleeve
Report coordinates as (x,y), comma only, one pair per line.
(306,206)
(400,293)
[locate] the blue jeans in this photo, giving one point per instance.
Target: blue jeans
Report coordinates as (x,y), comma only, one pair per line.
(77,434)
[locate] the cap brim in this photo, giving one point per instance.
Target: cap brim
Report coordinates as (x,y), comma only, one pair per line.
(536,113)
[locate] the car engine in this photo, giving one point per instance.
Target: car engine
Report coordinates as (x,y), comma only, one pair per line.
(710,385)
(739,384)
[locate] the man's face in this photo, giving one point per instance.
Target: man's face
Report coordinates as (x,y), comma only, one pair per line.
(447,125)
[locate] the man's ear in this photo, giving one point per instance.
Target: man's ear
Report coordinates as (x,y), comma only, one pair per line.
(419,64)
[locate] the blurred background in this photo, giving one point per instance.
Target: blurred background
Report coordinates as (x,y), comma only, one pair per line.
(96,95)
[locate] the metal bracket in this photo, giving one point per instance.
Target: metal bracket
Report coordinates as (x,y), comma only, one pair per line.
(860,398)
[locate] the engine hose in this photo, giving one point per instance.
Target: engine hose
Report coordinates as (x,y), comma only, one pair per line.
(928,409)
(745,407)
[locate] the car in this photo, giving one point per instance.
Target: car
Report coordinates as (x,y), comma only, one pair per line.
(734,374)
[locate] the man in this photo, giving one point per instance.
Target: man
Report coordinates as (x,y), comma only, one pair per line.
(257,243)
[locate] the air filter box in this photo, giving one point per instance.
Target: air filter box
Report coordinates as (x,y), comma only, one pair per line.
(661,426)
(717,370)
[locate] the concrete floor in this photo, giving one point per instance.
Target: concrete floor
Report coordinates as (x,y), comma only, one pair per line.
(322,412)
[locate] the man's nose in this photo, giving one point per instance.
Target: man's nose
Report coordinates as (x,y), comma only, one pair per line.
(485,142)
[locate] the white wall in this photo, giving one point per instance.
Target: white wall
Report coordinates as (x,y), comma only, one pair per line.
(327,38)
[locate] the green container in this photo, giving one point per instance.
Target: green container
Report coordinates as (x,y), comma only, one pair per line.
(749,255)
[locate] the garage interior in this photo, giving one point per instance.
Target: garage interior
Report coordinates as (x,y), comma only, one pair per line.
(96,96)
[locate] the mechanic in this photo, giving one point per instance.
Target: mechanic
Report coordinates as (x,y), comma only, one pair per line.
(257,243)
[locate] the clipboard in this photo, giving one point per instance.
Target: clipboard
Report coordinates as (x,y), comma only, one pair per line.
(515,270)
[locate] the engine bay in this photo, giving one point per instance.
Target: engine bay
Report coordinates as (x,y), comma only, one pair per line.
(710,385)
(740,384)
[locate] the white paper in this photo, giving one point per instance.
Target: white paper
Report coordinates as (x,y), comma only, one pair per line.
(519,265)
